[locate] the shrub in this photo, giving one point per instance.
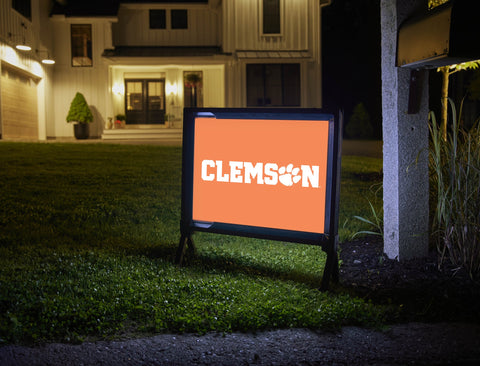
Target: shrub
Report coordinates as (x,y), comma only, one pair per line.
(79,110)
(359,125)
(455,166)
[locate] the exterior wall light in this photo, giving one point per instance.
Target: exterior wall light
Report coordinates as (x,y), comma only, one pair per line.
(118,89)
(172,89)
(22,44)
(45,60)
(48,61)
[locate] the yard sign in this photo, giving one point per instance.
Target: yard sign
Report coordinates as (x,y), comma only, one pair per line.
(265,173)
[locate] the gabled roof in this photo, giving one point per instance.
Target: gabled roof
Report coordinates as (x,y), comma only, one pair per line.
(85,8)
(165,1)
(158,51)
(99,8)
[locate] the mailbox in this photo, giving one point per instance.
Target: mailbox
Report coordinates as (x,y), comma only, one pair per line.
(446,35)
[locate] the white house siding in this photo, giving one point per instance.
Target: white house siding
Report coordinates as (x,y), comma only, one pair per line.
(133,27)
(242,30)
(36,34)
(232,25)
(300,37)
(214,87)
(18,91)
(213,84)
(91,81)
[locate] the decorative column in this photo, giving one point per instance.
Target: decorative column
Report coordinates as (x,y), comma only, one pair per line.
(405,143)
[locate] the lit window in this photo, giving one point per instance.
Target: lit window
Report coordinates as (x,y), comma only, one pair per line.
(81,45)
(192,89)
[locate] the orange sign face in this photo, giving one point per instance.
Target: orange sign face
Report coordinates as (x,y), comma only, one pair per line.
(265,173)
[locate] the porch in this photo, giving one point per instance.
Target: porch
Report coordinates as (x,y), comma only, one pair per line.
(144,132)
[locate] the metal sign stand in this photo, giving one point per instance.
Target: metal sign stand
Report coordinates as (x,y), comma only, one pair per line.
(329,245)
(331,271)
(185,242)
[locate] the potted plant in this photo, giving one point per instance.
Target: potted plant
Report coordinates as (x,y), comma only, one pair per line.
(120,121)
(192,81)
(80,115)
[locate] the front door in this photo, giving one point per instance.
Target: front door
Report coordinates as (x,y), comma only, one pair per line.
(145,101)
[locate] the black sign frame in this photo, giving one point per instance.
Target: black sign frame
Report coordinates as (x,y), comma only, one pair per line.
(327,240)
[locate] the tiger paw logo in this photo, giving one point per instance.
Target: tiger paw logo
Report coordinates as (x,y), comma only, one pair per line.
(289,175)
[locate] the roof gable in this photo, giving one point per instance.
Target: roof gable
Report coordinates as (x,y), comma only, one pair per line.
(89,8)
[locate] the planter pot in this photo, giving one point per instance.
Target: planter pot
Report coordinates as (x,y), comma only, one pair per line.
(81,131)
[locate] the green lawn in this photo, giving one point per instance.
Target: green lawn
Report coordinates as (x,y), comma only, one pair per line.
(88,233)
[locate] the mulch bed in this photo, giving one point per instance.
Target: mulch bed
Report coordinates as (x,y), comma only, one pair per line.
(424,292)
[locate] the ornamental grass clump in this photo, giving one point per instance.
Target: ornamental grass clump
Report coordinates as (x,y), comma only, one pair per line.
(455,181)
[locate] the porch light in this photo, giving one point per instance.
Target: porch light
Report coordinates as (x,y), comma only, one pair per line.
(22,44)
(172,88)
(118,89)
(46,60)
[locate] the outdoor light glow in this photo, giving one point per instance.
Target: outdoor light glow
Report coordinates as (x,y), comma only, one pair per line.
(118,89)
(23,47)
(37,69)
(172,88)
(11,56)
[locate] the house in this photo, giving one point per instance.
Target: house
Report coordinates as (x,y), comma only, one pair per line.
(147,60)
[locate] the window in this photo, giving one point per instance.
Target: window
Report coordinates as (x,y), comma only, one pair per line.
(81,45)
(24,7)
(134,95)
(179,19)
(192,89)
(158,19)
(273,85)
(145,101)
(271,17)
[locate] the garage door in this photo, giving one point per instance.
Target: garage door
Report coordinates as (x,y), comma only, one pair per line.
(19,105)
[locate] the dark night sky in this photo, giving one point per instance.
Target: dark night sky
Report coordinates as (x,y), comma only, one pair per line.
(351,58)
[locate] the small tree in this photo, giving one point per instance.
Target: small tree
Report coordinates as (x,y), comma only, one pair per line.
(446,72)
(359,125)
(434,3)
(79,110)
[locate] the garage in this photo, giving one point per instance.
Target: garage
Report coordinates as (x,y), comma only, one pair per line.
(18,99)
